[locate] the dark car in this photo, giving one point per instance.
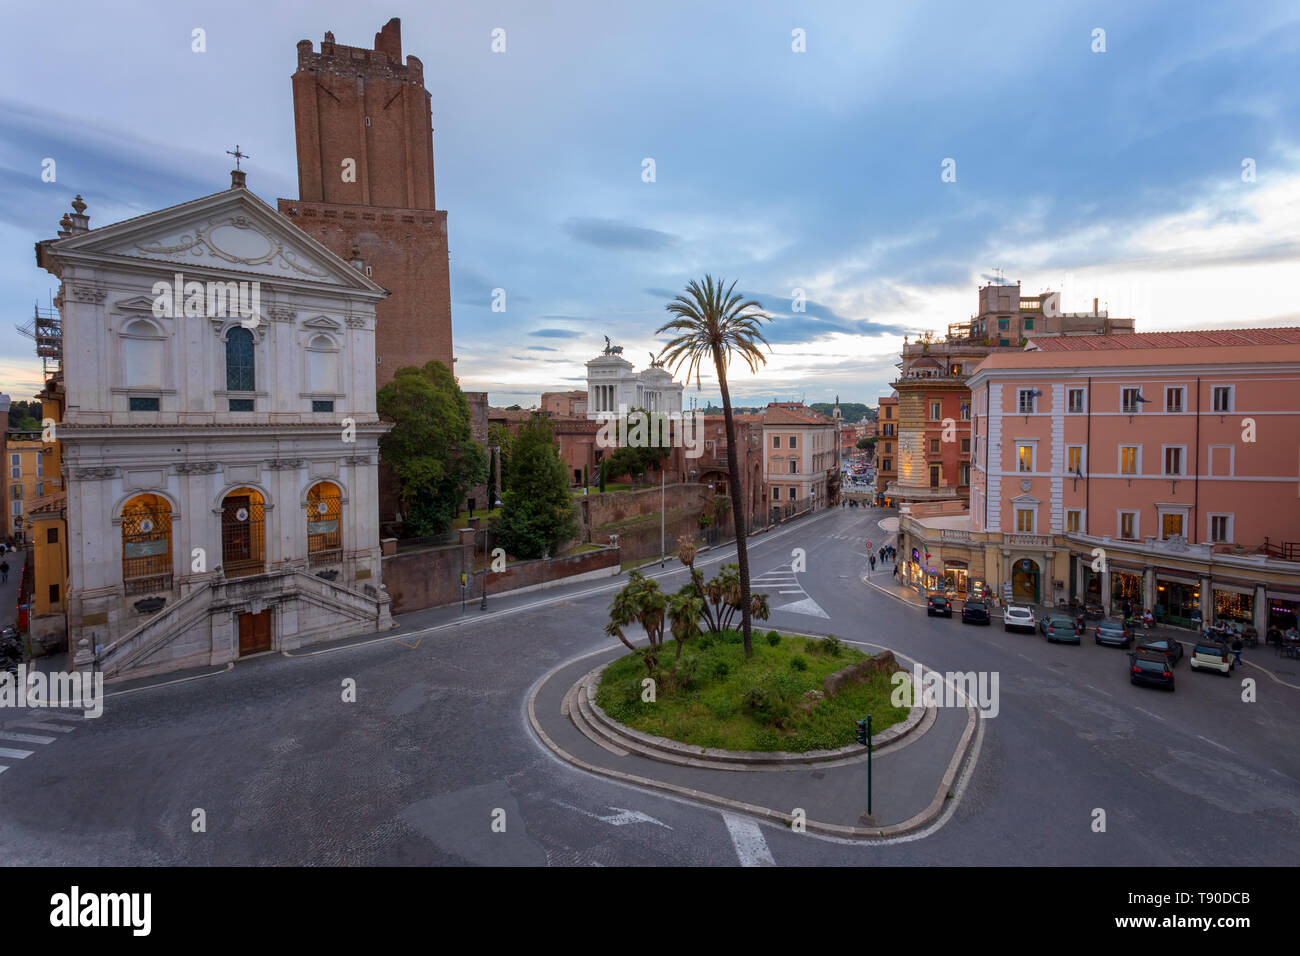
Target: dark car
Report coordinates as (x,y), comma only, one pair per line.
(1151,668)
(975,612)
(938,604)
(1172,649)
(1056,627)
(1114,634)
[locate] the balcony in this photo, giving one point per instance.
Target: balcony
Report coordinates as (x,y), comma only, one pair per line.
(1030,540)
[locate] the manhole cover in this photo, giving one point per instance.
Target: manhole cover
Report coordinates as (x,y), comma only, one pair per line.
(818,775)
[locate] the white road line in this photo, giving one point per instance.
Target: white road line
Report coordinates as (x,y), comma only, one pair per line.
(36,724)
(27,738)
(1212,743)
(796,591)
(3,768)
(15,754)
(747,838)
(1100,691)
(1149,714)
(77,717)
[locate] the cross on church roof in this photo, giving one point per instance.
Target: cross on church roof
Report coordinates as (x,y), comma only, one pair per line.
(237,154)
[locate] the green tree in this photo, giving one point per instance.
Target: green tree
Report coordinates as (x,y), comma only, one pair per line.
(713,325)
(492,479)
(431,447)
(537,511)
(640,602)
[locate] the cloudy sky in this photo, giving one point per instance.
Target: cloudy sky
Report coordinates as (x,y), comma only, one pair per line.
(1115,174)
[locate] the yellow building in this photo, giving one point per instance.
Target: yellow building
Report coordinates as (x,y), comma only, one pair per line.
(29,476)
(47,530)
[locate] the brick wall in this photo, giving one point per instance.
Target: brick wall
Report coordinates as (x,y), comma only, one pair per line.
(431,578)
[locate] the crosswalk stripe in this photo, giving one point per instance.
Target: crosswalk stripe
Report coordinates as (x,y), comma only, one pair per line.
(74,717)
(15,754)
(26,738)
(38,725)
(796,591)
(3,768)
(747,838)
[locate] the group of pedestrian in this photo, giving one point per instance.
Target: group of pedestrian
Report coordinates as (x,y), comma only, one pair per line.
(850,503)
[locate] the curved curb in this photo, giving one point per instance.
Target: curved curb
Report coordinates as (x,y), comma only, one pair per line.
(766,759)
(934,810)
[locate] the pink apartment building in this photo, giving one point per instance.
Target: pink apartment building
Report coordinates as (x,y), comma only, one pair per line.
(1161,469)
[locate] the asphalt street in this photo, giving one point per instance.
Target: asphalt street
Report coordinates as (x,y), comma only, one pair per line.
(437,747)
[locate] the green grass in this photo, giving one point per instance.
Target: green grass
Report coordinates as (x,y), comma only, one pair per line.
(610,486)
(711,710)
(462,521)
(580,549)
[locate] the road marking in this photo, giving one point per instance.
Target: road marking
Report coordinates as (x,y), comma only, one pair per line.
(620,819)
(1211,742)
(27,738)
(747,838)
(795,591)
(1149,714)
(15,754)
(806,606)
(37,725)
(3,768)
(1100,691)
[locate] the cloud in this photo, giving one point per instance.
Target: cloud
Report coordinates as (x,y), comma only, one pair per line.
(541,348)
(555,333)
(612,234)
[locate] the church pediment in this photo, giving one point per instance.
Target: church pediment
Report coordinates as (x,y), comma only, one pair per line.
(233,231)
(323,322)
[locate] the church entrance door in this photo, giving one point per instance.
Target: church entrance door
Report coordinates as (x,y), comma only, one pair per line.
(254,633)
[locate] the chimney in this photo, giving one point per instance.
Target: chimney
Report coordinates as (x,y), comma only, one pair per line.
(1094,307)
(79,221)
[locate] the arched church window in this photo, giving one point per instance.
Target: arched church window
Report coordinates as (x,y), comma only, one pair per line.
(239,361)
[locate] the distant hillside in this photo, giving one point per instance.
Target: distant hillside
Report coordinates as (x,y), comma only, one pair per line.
(852,411)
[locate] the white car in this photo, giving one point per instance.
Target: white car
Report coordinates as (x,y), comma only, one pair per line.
(1212,656)
(1019,618)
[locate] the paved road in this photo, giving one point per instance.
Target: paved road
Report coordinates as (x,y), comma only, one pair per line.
(437,746)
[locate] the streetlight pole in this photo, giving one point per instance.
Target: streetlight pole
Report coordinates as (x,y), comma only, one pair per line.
(483,604)
(663,491)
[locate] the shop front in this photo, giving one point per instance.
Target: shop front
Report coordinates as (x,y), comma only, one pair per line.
(956,576)
(1178,602)
(1125,587)
(1234,604)
(1091,585)
(1283,610)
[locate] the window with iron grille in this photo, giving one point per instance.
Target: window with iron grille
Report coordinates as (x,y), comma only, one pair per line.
(1129,403)
(324,524)
(243,533)
(138,404)
(319,406)
(146,545)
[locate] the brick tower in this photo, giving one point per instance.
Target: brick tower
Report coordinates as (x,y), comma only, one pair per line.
(364,132)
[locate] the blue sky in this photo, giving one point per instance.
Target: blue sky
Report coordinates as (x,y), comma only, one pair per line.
(1116,175)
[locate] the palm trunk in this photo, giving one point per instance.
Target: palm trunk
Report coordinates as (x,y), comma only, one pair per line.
(737,501)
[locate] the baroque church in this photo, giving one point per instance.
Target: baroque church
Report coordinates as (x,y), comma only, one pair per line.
(221,462)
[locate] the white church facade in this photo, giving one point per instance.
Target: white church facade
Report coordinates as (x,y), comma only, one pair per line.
(613,384)
(220,464)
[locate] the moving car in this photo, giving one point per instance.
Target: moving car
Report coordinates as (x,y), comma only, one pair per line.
(1172,649)
(1018,619)
(1211,656)
(1057,627)
(1114,634)
(975,612)
(938,604)
(1150,668)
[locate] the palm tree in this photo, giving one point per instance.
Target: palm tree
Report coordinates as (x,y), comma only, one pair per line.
(713,324)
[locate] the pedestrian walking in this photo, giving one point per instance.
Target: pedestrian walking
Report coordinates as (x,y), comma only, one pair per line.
(873,562)
(1236,650)
(4,571)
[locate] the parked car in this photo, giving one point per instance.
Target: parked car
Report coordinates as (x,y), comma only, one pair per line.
(975,612)
(1057,627)
(1211,656)
(1150,668)
(1172,649)
(1113,633)
(1018,619)
(938,603)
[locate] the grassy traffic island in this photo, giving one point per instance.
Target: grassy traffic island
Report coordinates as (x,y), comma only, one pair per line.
(777,700)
